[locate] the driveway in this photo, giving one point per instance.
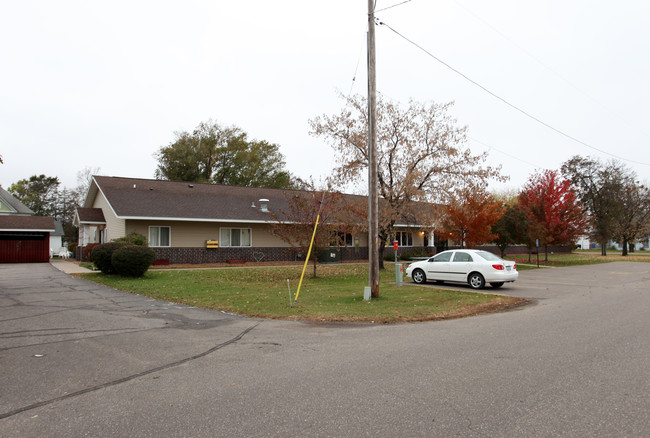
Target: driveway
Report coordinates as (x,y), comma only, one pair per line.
(78,359)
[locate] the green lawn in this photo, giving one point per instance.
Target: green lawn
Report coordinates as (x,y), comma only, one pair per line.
(335,295)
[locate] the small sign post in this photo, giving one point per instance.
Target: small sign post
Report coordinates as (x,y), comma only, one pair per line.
(398,267)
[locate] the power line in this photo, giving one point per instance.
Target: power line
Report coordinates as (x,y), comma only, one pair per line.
(394,6)
(502,152)
(541,122)
(540,62)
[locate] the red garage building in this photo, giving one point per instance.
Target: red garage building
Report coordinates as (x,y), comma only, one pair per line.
(23,238)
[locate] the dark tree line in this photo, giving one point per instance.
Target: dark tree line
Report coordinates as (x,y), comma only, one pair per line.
(617,204)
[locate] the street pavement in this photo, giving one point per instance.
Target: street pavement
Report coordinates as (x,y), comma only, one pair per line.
(79,359)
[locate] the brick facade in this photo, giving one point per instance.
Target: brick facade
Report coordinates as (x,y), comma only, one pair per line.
(223,255)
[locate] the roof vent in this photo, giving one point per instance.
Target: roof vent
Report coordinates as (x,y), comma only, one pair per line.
(253,204)
(264,205)
(191,186)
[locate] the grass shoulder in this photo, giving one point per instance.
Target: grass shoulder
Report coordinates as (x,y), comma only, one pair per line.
(576,258)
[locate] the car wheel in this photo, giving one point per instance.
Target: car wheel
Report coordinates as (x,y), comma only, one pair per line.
(418,276)
(476,280)
(497,285)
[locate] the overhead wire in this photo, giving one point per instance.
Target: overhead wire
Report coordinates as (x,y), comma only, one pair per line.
(502,152)
(513,106)
(540,62)
(393,6)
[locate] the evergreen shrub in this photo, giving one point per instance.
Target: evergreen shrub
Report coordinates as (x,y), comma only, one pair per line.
(101,256)
(132,260)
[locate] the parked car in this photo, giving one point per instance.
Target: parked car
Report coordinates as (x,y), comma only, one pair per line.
(471,266)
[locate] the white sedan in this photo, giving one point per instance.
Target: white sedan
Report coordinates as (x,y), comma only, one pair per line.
(471,266)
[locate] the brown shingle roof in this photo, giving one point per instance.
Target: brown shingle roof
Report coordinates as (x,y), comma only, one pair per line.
(26,223)
(144,198)
(91,215)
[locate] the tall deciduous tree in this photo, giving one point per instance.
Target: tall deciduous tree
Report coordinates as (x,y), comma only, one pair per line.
(39,193)
(469,218)
(223,155)
(633,221)
(421,155)
(602,189)
(513,228)
(553,208)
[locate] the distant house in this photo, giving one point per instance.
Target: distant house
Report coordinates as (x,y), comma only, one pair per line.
(56,238)
(24,238)
(201,223)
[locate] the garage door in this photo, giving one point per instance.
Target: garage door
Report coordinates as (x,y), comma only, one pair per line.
(24,248)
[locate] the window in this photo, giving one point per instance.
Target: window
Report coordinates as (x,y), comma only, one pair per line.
(340,239)
(462,257)
(235,237)
(442,257)
(159,236)
(404,238)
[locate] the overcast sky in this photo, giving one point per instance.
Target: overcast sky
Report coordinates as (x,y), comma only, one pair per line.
(106,84)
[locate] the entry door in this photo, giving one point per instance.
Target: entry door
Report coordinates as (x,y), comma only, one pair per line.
(460,266)
(438,267)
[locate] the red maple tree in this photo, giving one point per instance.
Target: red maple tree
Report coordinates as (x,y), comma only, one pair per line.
(469,218)
(553,208)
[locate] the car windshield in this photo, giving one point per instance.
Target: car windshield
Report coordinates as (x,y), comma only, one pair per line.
(489,256)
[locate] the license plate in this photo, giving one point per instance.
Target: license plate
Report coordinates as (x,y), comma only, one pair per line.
(508,268)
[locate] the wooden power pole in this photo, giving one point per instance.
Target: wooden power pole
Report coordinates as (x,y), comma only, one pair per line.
(373,207)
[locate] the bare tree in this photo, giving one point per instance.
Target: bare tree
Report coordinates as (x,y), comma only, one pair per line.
(421,156)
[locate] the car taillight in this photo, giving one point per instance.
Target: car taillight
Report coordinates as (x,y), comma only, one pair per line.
(498,267)
(514,267)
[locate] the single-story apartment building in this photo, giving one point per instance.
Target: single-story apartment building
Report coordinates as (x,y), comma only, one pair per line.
(206,223)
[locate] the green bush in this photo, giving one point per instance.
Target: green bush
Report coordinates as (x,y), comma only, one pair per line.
(132,260)
(101,256)
(133,239)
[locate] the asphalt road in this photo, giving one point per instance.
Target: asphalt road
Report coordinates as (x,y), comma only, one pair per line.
(78,359)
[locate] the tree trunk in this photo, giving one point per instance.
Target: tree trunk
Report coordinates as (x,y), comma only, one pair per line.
(382,246)
(545,252)
(603,248)
(624,253)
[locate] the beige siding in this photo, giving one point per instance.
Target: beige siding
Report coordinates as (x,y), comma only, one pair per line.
(194,234)
(115,227)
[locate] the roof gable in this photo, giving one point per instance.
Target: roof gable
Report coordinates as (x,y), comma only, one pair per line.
(10,205)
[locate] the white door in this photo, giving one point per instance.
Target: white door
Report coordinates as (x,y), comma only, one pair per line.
(438,266)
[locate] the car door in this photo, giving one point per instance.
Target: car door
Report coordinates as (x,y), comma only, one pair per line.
(460,266)
(438,266)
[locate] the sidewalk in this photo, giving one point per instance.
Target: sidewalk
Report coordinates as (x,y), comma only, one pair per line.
(69,267)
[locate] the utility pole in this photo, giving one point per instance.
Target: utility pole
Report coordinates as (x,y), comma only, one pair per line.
(373,206)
